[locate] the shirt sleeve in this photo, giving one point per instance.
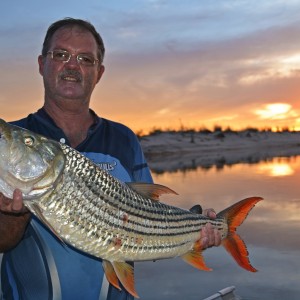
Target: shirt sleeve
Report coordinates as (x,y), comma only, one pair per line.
(141,170)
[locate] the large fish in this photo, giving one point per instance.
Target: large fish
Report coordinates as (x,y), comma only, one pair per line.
(86,207)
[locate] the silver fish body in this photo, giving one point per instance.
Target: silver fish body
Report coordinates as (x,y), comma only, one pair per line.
(105,217)
(88,208)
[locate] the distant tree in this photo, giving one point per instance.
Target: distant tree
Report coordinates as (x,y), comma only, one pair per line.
(204,130)
(217,128)
(228,130)
(155,131)
(252,129)
(285,129)
(267,129)
(140,133)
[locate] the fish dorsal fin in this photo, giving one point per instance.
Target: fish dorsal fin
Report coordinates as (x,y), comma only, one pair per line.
(38,212)
(125,274)
(195,259)
(196,209)
(150,190)
(110,274)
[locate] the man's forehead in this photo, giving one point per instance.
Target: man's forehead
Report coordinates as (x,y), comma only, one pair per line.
(71,30)
(74,36)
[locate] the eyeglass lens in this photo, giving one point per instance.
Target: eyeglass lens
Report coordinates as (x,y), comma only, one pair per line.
(64,56)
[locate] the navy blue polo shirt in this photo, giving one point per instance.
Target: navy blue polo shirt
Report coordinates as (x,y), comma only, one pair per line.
(40,267)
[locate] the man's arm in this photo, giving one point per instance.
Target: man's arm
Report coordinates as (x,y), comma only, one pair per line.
(14,218)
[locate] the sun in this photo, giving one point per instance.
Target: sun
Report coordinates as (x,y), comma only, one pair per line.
(275,111)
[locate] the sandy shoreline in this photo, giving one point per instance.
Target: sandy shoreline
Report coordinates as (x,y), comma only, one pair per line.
(173,151)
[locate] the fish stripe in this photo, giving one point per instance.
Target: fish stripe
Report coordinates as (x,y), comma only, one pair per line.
(92,204)
(91,210)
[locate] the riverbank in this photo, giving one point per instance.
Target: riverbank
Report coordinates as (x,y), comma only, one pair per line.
(170,151)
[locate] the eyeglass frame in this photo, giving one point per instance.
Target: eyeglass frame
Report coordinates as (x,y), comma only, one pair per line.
(70,55)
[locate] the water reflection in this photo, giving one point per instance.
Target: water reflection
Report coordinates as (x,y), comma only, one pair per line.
(277,170)
(190,162)
(271,233)
(280,167)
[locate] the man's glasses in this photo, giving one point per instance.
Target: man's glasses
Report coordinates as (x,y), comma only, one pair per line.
(64,56)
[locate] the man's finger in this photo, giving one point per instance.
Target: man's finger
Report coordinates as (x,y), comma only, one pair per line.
(17,203)
(218,239)
(210,235)
(210,213)
(204,238)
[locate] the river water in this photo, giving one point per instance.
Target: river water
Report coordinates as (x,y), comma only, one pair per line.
(271,233)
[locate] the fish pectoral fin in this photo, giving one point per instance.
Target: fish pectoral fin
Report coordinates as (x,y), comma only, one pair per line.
(37,211)
(150,190)
(195,259)
(125,274)
(110,274)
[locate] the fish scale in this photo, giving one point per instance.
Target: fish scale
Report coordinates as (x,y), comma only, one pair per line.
(158,226)
(88,208)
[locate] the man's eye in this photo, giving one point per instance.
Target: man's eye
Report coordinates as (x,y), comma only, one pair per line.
(86,59)
(60,55)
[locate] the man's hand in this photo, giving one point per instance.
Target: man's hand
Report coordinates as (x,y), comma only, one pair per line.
(13,206)
(14,217)
(210,236)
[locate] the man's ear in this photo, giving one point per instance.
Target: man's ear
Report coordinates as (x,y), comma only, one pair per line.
(100,72)
(41,64)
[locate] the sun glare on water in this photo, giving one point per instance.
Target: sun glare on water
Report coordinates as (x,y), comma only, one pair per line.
(276,169)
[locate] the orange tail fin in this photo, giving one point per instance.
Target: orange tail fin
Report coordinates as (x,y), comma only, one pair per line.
(235,216)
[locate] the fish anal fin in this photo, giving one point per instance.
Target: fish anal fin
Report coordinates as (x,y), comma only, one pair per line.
(125,274)
(238,250)
(110,274)
(150,190)
(195,259)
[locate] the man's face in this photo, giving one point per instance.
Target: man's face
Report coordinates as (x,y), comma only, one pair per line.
(70,80)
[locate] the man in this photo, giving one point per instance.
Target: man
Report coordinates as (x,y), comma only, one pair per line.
(35,265)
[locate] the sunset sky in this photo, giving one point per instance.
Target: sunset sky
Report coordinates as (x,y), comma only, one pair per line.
(194,63)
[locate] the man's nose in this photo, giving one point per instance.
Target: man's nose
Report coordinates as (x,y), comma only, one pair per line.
(73,61)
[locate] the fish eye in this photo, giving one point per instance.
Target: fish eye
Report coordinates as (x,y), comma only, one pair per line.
(29,141)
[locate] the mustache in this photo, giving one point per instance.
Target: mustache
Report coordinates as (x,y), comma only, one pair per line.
(72,73)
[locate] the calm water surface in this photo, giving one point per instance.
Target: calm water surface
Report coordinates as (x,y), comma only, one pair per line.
(271,233)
